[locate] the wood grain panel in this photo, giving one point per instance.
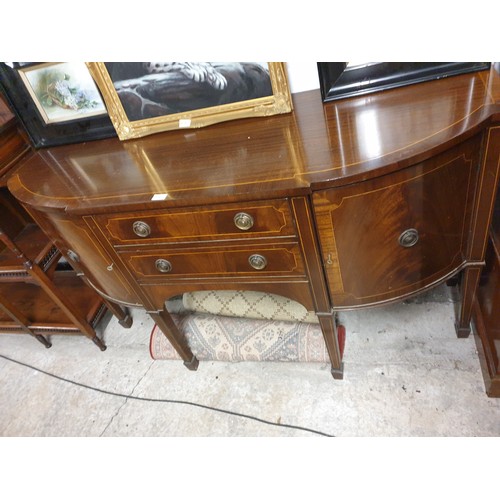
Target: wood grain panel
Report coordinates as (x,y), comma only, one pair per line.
(360,227)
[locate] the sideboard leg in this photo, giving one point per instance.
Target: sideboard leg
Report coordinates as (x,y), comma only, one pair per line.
(330,334)
(338,374)
(193,364)
(169,329)
(468,288)
(122,314)
(127,321)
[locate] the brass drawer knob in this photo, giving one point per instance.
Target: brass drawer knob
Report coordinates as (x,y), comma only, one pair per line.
(408,238)
(163,265)
(243,221)
(141,229)
(257,261)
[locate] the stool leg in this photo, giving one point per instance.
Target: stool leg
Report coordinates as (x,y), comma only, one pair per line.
(99,343)
(41,339)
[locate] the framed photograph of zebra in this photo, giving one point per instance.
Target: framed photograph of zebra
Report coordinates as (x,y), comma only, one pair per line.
(143,98)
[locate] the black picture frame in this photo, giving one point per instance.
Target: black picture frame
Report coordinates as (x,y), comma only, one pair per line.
(338,80)
(42,134)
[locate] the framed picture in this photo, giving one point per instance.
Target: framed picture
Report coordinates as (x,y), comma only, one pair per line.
(346,79)
(145,98)
(57,103)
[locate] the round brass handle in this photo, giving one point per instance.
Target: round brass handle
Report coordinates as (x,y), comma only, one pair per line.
(408,238)
(243,221)
(257,261)
(141,229)
(163,265)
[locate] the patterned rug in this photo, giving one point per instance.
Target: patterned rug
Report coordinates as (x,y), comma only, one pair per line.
(223,338)
(247,304)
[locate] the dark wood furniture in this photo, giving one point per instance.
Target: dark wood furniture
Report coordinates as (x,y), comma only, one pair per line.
(354,203)
(487,309)
(39,293)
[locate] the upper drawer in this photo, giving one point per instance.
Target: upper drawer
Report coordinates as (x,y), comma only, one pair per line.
(232,221)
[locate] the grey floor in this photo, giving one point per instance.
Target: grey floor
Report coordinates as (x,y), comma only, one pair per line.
(406,374)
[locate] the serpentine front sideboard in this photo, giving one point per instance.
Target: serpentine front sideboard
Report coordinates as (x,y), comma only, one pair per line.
(354,203)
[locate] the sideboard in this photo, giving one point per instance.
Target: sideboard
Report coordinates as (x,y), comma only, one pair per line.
(354,203)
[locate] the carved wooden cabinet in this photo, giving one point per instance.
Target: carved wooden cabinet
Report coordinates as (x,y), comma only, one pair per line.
(353,203)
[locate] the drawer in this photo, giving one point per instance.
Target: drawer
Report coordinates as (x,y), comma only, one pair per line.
(386,238)
(232,221)
(204,263)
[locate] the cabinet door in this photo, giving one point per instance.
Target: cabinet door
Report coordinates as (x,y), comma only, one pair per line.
(77,242)
(388,237)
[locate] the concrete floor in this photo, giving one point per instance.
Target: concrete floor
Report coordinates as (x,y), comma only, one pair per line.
(406,374)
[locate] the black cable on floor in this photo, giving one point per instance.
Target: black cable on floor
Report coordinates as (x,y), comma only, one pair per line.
(175,401)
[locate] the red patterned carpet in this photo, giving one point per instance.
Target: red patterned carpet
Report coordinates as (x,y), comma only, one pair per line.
(221,338)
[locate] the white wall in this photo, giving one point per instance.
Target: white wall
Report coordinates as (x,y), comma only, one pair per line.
(302,76)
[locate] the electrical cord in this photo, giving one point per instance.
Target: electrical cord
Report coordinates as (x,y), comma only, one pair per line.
(172,401)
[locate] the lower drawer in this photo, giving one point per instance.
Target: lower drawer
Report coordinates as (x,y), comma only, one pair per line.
(205,263)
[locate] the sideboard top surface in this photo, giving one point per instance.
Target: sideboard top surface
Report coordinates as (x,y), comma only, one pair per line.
(317,145)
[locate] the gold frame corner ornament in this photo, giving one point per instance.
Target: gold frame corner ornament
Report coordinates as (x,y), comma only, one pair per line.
(279,102)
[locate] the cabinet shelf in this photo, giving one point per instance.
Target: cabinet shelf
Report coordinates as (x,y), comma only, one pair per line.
(43,314)
(35,246)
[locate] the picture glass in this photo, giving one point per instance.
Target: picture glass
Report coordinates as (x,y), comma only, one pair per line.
(62,92)
(155,89)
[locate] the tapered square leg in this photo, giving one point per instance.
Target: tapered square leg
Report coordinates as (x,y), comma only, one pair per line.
(468,287)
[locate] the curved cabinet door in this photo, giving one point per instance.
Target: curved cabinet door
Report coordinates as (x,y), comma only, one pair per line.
(389,237)
(76,240)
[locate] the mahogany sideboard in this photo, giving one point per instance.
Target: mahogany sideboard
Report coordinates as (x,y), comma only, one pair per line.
(354,203)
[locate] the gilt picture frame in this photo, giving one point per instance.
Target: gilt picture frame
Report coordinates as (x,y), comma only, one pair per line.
(146,98)
(55,102)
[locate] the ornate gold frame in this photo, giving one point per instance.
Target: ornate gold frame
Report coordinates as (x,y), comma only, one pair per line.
(278,103)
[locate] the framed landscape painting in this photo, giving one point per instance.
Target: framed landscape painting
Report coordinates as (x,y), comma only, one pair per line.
(148,97)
